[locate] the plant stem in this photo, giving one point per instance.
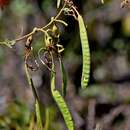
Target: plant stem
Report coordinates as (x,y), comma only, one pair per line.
(42,29)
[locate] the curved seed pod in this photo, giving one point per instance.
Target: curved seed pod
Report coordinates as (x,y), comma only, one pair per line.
(61,103)
(85,52)
(64,109)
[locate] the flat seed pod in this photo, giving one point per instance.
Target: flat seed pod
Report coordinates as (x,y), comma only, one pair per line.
(85,52)
(64,109)
(61,103)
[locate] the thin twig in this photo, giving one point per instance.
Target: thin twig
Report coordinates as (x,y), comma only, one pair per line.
(91,114)
(42,29)
(107,119)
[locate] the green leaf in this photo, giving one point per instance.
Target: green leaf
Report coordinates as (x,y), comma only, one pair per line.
(38,106)
(58,3)
(47,123)
(39,114)
(85,52)
(61,103)
(64,78)
(30,82)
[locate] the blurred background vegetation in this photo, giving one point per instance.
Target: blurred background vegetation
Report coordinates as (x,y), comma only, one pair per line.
(106,101)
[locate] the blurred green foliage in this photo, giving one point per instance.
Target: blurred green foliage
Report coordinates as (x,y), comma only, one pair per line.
(17,116)
(109,36)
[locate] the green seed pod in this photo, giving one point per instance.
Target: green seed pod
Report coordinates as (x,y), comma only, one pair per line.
(61,102)
(85,52)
